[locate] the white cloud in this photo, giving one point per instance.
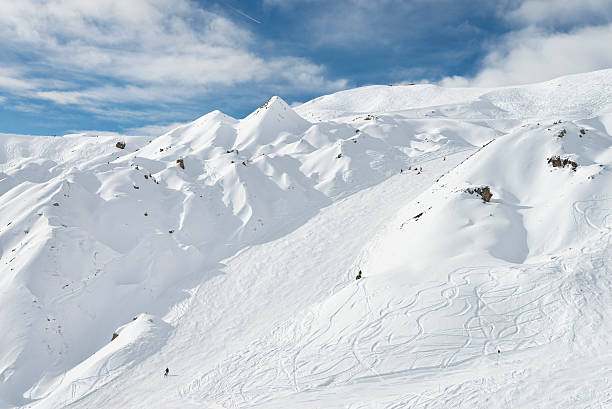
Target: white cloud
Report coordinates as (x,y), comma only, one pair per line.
(561,11)
(9,80)
(26,107)
(531,56)
(135,51)
(92,133)
(289,74)
(551,38)
(153,130)
(2,99)
(118,94)
(302,75)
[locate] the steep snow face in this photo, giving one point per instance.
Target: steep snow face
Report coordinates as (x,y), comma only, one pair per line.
(272,123)
(452,282)
(134,341)
(93,234)
(227,250)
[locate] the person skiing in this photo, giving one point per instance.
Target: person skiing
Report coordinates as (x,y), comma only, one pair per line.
(167,372)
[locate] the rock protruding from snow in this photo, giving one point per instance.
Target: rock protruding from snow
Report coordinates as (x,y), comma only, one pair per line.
(255,214)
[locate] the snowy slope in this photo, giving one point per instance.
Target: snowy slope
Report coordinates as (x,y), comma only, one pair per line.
(227,251)
(581,95)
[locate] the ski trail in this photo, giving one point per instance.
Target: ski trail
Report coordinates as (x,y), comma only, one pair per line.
(526,300)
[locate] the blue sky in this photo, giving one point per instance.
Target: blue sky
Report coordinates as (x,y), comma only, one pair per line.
(140,66)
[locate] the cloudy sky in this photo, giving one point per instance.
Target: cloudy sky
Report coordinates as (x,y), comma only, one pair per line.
(139,66)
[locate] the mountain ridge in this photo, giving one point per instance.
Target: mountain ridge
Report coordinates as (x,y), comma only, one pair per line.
(247,235)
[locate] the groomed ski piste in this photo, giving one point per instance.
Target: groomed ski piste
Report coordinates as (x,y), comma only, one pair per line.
(227,250)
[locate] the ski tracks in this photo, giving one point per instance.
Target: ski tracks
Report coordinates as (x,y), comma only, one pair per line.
(478,312)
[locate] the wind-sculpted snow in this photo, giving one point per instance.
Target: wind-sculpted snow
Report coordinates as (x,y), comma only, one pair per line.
(227,250)
(451,279)
(574,96)
(92,234)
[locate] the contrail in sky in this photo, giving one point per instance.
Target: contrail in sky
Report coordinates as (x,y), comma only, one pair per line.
(242,13)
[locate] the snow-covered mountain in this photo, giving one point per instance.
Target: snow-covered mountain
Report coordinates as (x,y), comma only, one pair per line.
(227,250)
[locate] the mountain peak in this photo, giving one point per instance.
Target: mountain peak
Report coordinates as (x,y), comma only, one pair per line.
(273,104)
(268,121)
(354,256)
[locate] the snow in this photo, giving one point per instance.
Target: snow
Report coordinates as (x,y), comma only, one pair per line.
(580,95)
(227,251)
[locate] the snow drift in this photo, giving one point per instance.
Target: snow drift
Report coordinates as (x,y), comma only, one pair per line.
(227,250)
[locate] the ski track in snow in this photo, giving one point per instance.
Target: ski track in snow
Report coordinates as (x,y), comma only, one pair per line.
(552,313)
(471,293)
(227,251)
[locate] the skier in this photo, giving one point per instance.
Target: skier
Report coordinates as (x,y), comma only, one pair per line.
(358,275)
(167,372)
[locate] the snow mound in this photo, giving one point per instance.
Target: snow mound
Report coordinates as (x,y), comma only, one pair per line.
(452,280)
(131,343)
(229,250)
